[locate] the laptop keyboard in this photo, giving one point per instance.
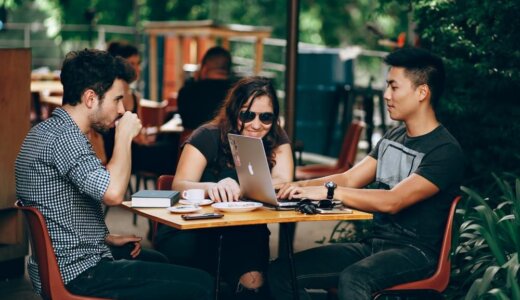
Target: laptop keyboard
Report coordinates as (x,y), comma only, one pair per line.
(288,202)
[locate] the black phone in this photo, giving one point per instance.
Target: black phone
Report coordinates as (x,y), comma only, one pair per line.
(202,216)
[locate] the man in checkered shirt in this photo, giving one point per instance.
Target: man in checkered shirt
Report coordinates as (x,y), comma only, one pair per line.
(58,172)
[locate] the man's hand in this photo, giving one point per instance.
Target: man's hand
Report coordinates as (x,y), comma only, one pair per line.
(129,125)
(226,190)
(286,190)
(309,192)
(121,240)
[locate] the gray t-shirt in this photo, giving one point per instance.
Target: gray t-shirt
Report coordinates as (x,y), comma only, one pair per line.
(436,156)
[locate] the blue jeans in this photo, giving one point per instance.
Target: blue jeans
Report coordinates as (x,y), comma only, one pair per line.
(133,279)
(357,269)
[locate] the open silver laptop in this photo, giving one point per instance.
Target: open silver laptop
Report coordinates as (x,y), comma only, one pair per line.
(253,171)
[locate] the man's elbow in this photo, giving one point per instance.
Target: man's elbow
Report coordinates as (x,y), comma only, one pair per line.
(392,206)
(391,209)
(112,198)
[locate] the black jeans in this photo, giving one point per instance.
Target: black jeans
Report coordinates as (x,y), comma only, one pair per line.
(244,249)
(357,269)
(150,255)
(133,279)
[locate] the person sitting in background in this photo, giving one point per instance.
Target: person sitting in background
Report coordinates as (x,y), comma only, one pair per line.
(199,100)
(131,54)
(251,109)
(131,97)
(58,172)
(417,167)
(152,155)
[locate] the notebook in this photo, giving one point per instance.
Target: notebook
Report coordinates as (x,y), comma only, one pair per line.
(253,171)
(154,198)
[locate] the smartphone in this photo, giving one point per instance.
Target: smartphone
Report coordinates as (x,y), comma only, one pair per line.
(202,216)
(339,210)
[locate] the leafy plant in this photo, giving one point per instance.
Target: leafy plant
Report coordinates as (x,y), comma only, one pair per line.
(486,263)
(347,231)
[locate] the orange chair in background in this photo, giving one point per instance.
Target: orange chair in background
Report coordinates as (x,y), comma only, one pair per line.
(346,159)
(433,286)
(42,250)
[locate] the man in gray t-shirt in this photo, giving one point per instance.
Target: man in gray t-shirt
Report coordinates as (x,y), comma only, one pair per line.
(417,169)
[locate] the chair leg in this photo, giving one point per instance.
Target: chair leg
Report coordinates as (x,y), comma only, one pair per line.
(217,275)
(137,187)
(408,295)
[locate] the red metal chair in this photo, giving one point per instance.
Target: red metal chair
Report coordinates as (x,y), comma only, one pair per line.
(164,182)
(50,275)
(346,159)
(433,286)
(428,288)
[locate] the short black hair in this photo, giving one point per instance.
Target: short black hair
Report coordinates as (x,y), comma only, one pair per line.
(217,58)
(122,48)
(125,71)
(421,67)
(89,69)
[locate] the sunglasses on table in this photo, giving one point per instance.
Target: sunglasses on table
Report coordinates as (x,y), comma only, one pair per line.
(307,206)
(247,116)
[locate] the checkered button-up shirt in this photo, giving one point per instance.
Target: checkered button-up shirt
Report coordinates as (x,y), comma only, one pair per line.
(58,172)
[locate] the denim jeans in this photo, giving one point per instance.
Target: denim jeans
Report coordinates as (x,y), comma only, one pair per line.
(133,279)
(357,269)
(150,255)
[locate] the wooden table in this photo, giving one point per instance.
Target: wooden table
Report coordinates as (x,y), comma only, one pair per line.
(259,216)
(46,86)
(41,89)
(172,126)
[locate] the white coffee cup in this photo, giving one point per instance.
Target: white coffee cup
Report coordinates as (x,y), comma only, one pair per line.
(193,194)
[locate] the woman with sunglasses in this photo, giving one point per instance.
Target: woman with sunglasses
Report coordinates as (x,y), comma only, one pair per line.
(251,108)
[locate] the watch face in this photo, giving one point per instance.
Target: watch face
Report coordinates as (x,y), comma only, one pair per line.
(330,185)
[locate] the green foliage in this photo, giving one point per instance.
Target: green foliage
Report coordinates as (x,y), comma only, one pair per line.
(480,42)
(485,263)
(348,231)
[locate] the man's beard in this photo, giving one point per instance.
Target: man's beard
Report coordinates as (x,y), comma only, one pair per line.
(100,128)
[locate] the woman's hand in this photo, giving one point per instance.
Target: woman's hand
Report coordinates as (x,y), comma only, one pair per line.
(121,240)
(226,190)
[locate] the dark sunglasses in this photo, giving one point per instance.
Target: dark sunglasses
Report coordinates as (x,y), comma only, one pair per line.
(307,206)
(247,116)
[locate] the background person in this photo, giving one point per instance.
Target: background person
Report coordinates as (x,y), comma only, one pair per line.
(131,96)
(417,167)
(150,154)
(199,100)
(251,109)
(58,173)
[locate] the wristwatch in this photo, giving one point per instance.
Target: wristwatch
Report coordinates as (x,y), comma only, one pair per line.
(331,186)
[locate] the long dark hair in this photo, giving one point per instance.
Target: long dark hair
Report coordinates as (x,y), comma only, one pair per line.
(227,118)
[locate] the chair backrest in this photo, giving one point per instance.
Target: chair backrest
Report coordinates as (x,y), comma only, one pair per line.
(348,151)
(441,278)
(164,182)
(152,113)
(50,275)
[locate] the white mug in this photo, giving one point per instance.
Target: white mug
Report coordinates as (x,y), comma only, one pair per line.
(193,194)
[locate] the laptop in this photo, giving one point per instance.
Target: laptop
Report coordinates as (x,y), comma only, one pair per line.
(253,171)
